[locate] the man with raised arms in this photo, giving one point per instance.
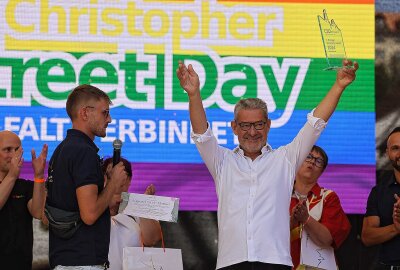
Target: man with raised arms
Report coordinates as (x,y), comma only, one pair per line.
(254,182)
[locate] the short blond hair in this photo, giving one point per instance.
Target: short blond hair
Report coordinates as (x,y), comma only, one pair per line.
(83,93)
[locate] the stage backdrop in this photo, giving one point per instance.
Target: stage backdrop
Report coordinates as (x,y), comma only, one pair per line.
(130,49)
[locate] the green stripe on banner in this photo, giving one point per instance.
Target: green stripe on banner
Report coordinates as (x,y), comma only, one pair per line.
(359,96)
(284,83)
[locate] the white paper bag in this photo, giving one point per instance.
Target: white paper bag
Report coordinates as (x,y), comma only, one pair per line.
(134,258)
(315,257)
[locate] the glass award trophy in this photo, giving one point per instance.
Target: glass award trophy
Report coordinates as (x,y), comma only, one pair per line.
(332,40)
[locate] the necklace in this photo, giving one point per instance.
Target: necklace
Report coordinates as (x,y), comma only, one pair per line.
(300,196)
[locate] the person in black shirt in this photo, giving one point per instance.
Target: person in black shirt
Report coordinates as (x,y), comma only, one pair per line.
(382,219)
(20,199)
(76,183)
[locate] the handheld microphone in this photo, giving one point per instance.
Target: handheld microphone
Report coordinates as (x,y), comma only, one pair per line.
(117,145)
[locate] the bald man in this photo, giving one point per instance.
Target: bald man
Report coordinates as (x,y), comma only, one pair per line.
(381,224)
(20,200)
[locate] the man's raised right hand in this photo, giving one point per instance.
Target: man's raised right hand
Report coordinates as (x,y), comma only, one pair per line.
(188,79)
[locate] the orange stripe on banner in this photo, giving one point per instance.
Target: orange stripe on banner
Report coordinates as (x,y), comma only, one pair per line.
(280,1)
(306,1)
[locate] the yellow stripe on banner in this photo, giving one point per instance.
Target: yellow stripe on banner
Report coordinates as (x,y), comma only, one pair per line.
(12,43)
(301,34)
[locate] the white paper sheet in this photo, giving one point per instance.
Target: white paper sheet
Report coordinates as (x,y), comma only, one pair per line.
(150,206)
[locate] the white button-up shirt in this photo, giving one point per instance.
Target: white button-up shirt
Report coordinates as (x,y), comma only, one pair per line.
(125,232)
(254,195)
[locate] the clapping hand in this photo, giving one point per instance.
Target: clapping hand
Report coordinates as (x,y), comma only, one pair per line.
(16,163)
(150,190)
(300,212)
(39,163)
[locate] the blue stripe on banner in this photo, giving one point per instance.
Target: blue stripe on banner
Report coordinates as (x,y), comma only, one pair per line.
(164,135)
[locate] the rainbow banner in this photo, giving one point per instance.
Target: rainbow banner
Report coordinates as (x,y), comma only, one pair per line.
(130,49)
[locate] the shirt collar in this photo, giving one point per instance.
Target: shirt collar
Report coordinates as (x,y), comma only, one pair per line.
(315,190)
(266,148)
(392,181)
(77,133)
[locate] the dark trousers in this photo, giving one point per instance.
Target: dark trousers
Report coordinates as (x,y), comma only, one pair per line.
(256,266)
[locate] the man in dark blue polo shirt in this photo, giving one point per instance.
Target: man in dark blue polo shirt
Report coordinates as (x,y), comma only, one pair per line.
(382,223)
(76,183)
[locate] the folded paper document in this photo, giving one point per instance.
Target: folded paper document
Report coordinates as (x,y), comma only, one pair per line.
(150,206)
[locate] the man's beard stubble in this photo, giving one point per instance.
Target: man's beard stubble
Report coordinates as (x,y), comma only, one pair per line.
(395,164)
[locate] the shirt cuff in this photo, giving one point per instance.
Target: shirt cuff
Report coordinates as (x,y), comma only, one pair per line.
(201,138)
(316,122)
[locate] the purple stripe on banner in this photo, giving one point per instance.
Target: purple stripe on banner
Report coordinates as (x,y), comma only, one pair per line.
(194,186)
(191,183)
(352,183)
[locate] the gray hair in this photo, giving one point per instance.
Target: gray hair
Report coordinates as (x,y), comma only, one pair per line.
(251,104)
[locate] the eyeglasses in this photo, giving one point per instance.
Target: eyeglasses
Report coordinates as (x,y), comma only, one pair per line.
(106,113)
(245,126)
(319,162)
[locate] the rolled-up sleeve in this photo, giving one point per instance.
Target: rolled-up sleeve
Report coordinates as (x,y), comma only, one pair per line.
(299,148)
(211,153)
(315,122)
(201,138)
